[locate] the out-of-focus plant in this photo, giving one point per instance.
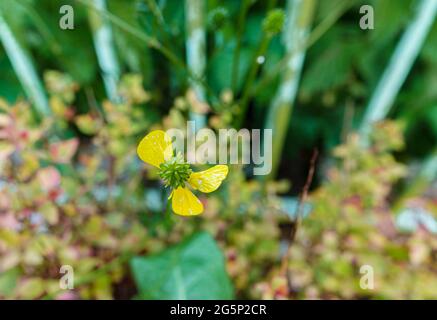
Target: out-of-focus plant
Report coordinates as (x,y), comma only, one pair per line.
(300,16)
(105,50)
(88,206)
(352,226)
(73,191)
(23,65)
(60,206)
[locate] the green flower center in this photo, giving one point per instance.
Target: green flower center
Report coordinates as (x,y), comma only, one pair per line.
(175,172)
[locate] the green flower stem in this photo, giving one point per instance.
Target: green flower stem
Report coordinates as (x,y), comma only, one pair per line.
(245,6)
(244,102)
(160,23)
(104,46)
(254,67)
(300,16)
(399,66)
(196,52)
(154,8)
(24,69)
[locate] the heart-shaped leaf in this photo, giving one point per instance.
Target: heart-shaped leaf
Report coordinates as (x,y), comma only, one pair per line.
(193,269)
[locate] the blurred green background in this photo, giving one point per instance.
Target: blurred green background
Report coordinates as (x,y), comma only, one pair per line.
(75,103)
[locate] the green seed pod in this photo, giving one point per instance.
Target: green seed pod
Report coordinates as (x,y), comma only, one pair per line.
(175,172)
(274,22)
(217,18)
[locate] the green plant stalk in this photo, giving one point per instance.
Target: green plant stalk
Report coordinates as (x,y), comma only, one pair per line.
(391,82)
(251,74)
(300,17)
(150,41)
(105,51)
(39,23)
(160,23)
(244,102)
(399,66)
(24,69)
(196,52)
(153,6)
(240,28)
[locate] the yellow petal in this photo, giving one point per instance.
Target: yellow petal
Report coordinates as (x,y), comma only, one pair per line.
(155,148)
(208,180)
(185,203)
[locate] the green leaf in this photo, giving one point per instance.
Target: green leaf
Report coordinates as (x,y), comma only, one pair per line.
(390,18)
(31,288)
(220,67)
(332,68)
(8,281)
(430,46)
(193,269)
(431,116)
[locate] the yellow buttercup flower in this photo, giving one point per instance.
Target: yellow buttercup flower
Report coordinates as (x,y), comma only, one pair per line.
(156,149)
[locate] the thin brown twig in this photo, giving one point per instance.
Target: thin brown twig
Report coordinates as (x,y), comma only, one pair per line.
(296,221)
